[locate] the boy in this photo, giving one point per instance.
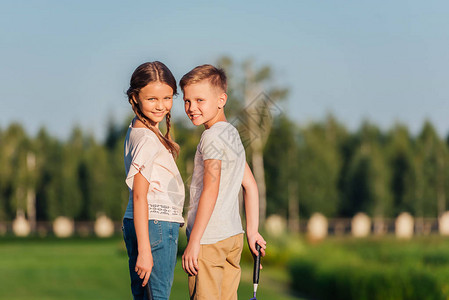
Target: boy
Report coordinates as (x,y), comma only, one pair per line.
(214,228)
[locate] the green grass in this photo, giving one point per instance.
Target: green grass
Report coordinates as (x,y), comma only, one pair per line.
(96,269)
(374,268)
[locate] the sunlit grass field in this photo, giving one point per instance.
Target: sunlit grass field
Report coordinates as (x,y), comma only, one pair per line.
(337,268)
(51,268)
(374,268)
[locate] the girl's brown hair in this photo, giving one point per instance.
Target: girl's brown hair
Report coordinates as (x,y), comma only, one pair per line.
(142,76)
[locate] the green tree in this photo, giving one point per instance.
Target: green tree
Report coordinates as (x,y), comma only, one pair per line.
(368,178)
(18,171)
(319,167)
(430,172)
(64,192)
(280,157)
(4,178)
(400,156)
(93,177)
(48,152)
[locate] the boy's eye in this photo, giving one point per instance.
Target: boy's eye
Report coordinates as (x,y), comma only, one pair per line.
(200,100)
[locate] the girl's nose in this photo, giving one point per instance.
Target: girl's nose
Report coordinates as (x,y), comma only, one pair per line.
(160,105)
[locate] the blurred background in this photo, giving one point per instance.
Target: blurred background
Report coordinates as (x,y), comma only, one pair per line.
(342,108)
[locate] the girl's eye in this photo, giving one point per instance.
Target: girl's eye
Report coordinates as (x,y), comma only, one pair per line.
(151,99)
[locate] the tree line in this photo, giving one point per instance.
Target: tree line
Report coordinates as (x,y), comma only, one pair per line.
(318,167)
(300,168)
(339,173)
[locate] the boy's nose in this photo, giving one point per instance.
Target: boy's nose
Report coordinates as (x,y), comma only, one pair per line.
(190,107)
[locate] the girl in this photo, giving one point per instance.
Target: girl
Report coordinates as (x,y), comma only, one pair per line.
(156,191)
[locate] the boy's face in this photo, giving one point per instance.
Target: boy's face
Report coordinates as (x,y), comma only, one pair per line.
(204,103)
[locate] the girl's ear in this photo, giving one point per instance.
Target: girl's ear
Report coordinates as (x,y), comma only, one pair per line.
(134,99)
(222,100)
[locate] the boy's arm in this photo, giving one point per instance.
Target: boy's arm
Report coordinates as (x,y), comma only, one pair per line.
(144,263)
(206,204)
(251,197)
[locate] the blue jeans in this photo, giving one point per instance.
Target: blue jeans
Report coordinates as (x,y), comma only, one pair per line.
(164,247)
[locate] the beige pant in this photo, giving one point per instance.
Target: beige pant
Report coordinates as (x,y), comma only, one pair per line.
(219,270)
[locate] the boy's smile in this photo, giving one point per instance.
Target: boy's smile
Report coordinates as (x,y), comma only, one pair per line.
(204,103)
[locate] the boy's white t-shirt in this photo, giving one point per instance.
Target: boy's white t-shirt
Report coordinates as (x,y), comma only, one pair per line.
(144,153)
(222,142)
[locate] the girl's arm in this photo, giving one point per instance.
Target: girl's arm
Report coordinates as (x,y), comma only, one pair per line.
(206,204)
(144,263)
(251,197)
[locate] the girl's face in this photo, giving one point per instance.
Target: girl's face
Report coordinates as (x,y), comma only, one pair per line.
(155,100)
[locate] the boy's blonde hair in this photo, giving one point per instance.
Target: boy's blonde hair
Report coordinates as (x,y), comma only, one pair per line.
(216,77)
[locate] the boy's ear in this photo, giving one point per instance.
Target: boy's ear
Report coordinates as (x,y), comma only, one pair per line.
(222,100)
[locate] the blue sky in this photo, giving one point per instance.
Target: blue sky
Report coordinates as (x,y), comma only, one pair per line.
(67,63)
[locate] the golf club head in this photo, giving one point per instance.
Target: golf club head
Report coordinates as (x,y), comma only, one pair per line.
(253,298)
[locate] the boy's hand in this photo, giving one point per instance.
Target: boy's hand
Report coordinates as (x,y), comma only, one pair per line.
(144,265)
(254,238)
(190,258)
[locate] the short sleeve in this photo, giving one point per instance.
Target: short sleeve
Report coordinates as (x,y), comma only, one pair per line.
(212,146)
(143,155)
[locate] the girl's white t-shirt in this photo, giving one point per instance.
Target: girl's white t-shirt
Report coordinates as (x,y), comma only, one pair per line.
(145,153)
(221,142)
